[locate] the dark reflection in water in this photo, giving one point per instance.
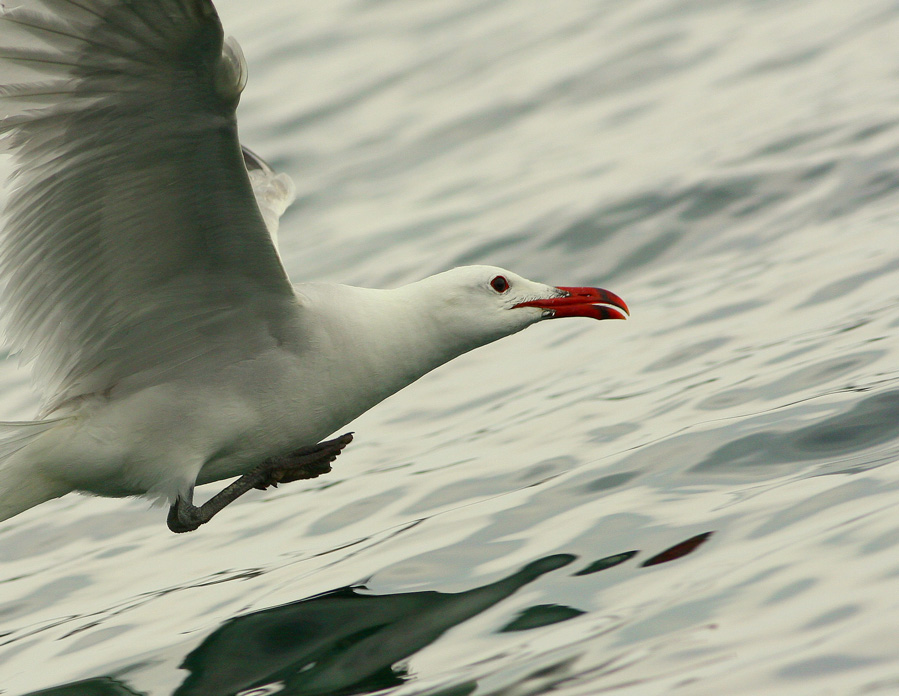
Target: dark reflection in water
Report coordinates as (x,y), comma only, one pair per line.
(103,686)
(346,642)
(541,615)
(607,562)
(341,642)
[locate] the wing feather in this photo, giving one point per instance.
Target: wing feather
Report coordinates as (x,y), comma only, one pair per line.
(132,241)
(274,192)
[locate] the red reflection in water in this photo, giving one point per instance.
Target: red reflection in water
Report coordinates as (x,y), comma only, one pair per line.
(678,550)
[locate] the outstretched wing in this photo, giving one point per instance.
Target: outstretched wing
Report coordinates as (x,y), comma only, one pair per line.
(132,241)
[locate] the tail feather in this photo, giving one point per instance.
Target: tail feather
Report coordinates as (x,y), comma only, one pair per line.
(21,484)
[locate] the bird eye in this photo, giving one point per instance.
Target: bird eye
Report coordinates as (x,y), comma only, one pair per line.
(499,284)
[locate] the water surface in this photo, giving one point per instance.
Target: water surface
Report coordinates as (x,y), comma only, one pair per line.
(701,500)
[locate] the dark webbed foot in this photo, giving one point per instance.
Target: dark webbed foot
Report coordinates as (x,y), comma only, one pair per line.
(304,463)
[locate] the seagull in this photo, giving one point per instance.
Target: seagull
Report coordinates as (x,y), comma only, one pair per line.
(142,283)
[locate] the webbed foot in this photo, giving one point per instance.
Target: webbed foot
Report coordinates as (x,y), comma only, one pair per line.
(304,463)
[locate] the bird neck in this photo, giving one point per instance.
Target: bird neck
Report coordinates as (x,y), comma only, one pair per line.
(368,344)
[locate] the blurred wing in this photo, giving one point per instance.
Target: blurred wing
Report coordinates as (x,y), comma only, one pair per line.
(274,192)
(132,240)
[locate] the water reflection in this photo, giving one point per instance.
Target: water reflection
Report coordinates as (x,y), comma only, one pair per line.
(348,642)
(607,562)
(678,550)
(103,686)
(341,642)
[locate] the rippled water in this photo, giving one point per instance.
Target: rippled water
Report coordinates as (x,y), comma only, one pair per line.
(701,500)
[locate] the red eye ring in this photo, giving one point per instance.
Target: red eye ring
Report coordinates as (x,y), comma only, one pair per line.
(500,284)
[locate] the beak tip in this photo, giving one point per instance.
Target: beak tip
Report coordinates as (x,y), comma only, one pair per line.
(612,313)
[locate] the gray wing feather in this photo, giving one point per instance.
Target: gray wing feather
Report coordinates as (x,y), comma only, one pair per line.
(274,192)
(132,241)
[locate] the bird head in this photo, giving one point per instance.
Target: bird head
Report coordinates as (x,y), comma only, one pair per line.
(485,303)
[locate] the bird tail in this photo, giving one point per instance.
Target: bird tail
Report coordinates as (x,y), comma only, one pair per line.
(22,486)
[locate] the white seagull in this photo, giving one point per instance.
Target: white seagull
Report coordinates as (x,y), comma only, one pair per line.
(141,279)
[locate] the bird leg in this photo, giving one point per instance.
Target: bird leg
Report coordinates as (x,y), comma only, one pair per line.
(304,463)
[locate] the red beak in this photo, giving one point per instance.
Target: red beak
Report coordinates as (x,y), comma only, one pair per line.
(595,303)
